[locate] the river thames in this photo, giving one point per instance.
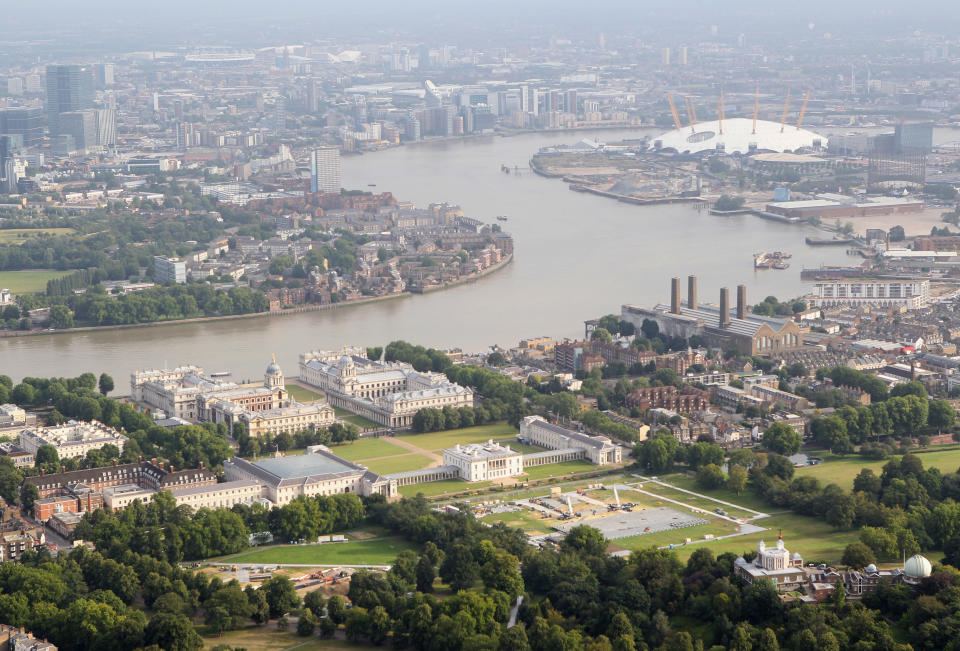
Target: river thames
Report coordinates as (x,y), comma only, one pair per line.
(578,256)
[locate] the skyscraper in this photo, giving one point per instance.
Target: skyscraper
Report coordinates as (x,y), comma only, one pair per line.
(27,122)
(325,170)
(69,88)
(82,125)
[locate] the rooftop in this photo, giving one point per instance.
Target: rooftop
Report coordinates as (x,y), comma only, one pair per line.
(304,465)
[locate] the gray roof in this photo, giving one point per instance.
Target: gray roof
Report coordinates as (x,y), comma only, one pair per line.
(586,439)
(710,315)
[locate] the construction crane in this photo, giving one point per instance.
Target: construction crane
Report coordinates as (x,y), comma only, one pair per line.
(756,108)
(673,110)
(688,104)
(720,113)
(786,107)
(803,110)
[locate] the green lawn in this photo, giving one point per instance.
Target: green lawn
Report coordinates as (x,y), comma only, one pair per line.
(369,448)
(435,441)
(361,422)
(21,235)
(268,638)
(23,282)
(842,470)
(302,395)
(401,463)
(687,482)
(527,521)
(675,536)
(559,469)
(381,551)
(434,488)
(692,500)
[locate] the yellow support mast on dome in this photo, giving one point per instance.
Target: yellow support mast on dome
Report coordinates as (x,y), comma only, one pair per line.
(786,108)
(673,110)
(803,110)
(688,104)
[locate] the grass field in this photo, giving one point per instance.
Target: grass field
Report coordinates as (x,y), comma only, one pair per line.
(436,441)
(400,463)
(302,395)
(746,499)
(559,469)
(21,235)
(381,551)
(674,536)
(368,449)
(526,521)
(434,488)
(24,282)
(692,500)
(360,421)
(268,638)
(843,470)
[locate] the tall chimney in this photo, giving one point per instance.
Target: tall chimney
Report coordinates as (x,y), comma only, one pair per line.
(724,307)
(692,292)
(741,301)
(675,295)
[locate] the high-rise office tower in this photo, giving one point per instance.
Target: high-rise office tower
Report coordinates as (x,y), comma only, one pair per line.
(106,127)
(69,88)
(325,170)
(682,55)
(26,122)
(82,125)
(104,74)
(665,56)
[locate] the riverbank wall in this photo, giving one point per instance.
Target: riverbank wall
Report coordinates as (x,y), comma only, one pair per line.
(205,319)
(468,279)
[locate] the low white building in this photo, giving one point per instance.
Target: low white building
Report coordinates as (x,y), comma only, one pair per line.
(912,294)
(219,496)
(777,565)
(117,498)
(597,449)
(72,439)
(484,461)
(11,414)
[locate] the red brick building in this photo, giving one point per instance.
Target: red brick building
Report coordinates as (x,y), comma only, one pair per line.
(690,399)
(146,474)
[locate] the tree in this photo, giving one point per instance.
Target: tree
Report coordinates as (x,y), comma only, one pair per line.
(281,595)
(459,569)
(358,623)
(502,573)
(106,384)
(61,317)
(172,633)
(841,512)
(737,478)
(858,556)
(306,623)
(337,609)
(601,334)
(28,495)
(782,439)
(380,624)
(941,415)
(710,476)
(426,574)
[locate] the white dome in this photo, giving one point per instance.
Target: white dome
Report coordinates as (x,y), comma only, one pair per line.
(871,568)
(345,360)
(273,368)
(917,567)
(796,556)
(738,136)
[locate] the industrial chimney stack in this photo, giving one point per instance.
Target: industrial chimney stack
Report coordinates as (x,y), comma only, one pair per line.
(692,292)
(741,302)
(675,296)
(724,307)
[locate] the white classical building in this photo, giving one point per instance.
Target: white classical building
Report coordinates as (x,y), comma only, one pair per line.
(388,393)
(778,565)
(597,449)
(219,496)
(72,439)
(318,472)
(289,419)
(484,461)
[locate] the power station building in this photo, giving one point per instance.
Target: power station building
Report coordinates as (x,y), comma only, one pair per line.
(718,326)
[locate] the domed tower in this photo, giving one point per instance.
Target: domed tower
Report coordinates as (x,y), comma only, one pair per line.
(273,378)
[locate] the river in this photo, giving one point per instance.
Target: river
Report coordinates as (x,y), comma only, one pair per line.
(578,256)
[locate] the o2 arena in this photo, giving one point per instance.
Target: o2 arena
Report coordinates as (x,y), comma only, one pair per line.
(736,135)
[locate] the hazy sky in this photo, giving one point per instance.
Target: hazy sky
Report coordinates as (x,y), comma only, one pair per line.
(179,21)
